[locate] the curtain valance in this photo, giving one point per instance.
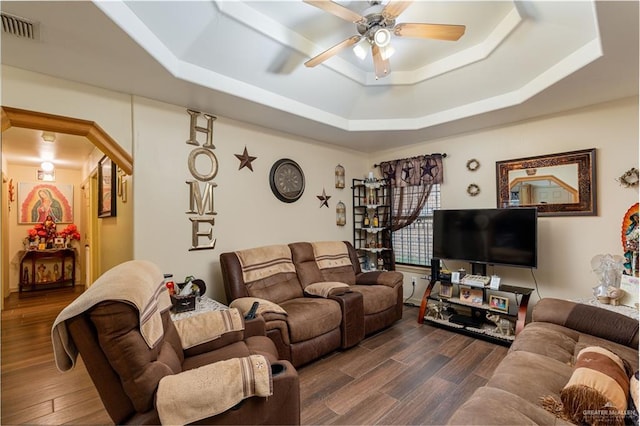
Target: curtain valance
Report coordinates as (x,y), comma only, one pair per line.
(420,170)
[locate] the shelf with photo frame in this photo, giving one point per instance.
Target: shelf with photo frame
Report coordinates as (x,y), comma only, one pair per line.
(497,315)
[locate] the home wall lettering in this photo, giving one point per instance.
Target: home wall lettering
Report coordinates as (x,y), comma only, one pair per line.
(201,205)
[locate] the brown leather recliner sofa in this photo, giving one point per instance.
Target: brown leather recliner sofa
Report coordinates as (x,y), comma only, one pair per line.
(306,324)
(127,372)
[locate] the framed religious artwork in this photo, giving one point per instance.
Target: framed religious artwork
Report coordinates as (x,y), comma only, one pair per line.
(39,200)
(106,186)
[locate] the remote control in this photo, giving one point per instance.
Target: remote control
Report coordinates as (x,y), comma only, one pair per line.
(252,312)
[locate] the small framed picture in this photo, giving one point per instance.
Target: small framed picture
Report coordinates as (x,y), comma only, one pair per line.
(499,303)
(446,290)
(58,242)
(471,296)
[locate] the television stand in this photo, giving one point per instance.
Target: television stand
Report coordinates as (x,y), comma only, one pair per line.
(475,324)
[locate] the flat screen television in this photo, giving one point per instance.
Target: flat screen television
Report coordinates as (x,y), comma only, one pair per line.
(487,236)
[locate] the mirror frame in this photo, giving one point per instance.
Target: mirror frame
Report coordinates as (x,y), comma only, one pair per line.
(586,161)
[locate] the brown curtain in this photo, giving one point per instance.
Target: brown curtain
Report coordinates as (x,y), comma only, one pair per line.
(411,180)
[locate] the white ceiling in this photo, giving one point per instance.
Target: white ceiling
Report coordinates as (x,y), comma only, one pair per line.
(244,60)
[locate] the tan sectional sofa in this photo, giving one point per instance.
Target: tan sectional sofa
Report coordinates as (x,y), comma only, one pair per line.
(540,362)
(313,296)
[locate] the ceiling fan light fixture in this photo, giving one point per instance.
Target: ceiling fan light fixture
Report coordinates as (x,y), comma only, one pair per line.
(382,37)
(386,52)
(360,51)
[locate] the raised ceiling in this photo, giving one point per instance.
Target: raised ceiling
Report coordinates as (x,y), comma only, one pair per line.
(244,60)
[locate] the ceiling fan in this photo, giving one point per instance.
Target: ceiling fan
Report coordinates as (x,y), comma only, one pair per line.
(376,27)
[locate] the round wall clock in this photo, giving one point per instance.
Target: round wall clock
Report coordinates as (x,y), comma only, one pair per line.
(286,180)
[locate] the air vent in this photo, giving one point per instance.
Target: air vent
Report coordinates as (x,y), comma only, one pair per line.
(19,26)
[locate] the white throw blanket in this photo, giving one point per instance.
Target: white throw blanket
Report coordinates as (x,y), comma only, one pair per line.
(138,282)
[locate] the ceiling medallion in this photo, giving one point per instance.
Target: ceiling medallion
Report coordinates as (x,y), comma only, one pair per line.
(324,198)
(245,159)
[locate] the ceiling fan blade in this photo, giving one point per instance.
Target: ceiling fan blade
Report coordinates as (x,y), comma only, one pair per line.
(337,10)
(437,31)
(381,66)
(395,8)
(316,60)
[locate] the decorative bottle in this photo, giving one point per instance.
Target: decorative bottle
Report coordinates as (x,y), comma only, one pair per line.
(376,222)
(365,221)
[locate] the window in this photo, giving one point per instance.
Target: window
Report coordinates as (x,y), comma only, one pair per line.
(412,245)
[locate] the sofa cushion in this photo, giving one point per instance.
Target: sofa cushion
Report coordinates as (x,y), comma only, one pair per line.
(531,376)
(269,273)
(311,317)
(326,288)
(376,298)
(334,262)
(498,407)
(244,305)
(551,340)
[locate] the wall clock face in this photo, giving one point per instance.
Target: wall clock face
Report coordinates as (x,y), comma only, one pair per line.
(286,180)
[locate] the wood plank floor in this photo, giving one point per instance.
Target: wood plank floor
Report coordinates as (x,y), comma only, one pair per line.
(407,374)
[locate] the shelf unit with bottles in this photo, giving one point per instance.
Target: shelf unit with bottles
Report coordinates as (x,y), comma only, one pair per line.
(372,224)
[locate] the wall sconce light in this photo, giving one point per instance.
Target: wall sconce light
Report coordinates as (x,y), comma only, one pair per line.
(341,214)
(339,176)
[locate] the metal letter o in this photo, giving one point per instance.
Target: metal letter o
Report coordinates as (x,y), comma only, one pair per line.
(192,164)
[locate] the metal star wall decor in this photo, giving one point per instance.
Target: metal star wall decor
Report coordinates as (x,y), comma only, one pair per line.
(324,198)
(245,159)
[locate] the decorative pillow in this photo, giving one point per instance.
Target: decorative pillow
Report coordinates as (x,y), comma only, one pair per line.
(326,288)
(243,304)
(597,390)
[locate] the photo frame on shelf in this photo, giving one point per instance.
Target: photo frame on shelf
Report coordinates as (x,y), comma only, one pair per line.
(446,291)
(472,296)
(106,185)
(561,184)
(499,303)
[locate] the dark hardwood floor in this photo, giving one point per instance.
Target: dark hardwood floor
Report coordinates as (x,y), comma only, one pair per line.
(407,374)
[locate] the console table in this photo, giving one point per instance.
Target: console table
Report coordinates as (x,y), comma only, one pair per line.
(40,269)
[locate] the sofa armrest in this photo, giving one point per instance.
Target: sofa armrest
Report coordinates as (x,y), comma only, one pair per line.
(588,319)
(388,278)
(255,327)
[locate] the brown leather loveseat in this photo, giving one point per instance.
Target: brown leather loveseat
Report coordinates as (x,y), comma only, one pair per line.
(313,297)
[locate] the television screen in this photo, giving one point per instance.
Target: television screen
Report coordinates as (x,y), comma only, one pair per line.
(487,236)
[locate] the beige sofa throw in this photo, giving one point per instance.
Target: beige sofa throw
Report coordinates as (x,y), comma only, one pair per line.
(137,282)
(263,262)
(212,389)
(207,326)
(331,254)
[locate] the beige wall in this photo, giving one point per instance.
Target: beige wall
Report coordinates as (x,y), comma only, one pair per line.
(566,244)
(249,215)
